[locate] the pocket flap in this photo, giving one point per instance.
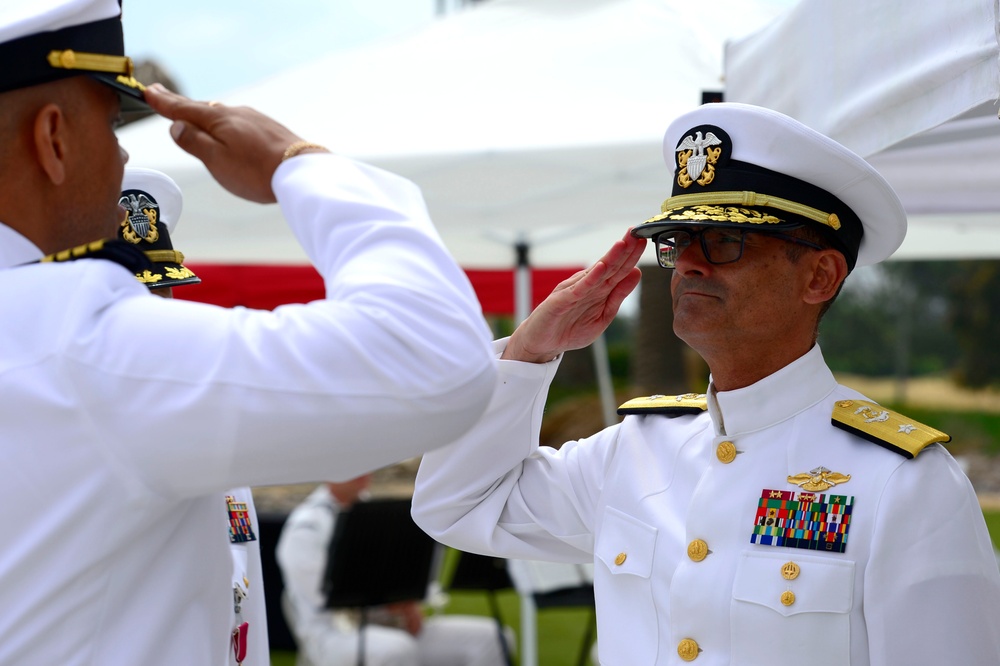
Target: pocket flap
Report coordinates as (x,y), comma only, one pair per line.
(626,544)
(816,584)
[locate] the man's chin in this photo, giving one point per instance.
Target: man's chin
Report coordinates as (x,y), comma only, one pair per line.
(695,307)
(691,325)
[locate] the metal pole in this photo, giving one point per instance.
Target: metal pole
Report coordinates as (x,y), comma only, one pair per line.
(904,332)
(522,281)
(602,365)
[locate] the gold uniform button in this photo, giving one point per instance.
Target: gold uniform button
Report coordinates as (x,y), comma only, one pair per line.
(620,559)
(790,571)
(726,452)
(688,649)
(787,598)
(697,550)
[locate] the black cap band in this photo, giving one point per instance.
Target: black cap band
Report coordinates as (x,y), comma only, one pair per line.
(26,60)
(845,234)
(712,189)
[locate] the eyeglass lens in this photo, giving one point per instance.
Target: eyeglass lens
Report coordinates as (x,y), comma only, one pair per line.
(720,245)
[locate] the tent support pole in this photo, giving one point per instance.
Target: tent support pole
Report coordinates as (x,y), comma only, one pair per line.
(522,282)
(602,367)
(599,348)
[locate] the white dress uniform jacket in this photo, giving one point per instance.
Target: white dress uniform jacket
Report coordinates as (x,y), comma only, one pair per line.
(125,416)
(667,518)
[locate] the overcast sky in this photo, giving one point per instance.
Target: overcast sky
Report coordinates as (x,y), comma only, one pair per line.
(211,48)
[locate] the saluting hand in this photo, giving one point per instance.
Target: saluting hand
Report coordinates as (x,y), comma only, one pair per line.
(240,146)
(580,308)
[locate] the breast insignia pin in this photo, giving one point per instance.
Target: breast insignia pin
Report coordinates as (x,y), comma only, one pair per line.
(819,479)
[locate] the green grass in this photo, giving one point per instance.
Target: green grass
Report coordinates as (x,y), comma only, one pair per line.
(993,525)
(560,631)
(282,658)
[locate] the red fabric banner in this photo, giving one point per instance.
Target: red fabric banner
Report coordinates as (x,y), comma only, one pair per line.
(266,286)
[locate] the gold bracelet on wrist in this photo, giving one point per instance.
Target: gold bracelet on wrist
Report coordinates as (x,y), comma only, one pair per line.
(298,147)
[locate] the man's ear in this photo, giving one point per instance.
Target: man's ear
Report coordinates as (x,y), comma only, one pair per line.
(51,137)
(829,270)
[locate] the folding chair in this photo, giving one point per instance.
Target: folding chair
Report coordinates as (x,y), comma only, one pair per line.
(481,572)
(542,585)
(377,556)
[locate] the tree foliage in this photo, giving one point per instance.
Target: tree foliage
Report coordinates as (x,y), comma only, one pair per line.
(893,319)
(916,318)
(975,320)
(658,364)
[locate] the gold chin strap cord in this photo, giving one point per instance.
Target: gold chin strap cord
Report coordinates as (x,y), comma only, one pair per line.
(737,198)
(91,62)
(165,256)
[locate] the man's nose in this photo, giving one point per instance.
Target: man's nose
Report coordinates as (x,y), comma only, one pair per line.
(692,260)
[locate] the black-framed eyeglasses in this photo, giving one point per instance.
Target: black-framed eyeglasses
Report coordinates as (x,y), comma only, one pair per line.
(721,245)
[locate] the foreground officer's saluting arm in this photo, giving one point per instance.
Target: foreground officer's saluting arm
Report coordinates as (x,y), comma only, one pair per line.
(394,361)
(241,147)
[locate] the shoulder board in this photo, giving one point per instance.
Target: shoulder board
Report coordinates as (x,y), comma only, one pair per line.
(670,405)
(112,249)
(884,427)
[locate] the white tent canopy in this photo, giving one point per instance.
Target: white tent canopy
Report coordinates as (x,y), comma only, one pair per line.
(533,120)
(914,89)
(523,121)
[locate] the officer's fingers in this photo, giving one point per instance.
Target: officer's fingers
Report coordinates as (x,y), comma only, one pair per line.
(605,268)
(636,246)
(622,290)
(624,255)
(178,107)
(609,270)
(194,140)
(628,267)
(570,281)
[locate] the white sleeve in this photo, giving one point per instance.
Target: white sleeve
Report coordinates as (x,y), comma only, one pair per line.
(393,362)
(932,585)
(495,491)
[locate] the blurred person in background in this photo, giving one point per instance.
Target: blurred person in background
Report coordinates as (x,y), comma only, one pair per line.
(396,634)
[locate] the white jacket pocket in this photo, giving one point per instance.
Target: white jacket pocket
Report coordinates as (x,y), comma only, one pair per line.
(625,550)
(790,598)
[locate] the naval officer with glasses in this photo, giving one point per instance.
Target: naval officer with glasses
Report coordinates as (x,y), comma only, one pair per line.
(780,518)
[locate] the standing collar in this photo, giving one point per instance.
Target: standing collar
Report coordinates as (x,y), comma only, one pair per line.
(16,249)
(796,387)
